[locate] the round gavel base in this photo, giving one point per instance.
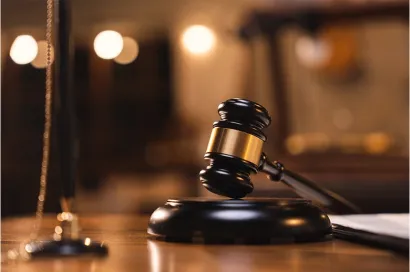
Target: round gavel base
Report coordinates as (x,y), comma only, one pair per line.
(77,247)
(246,221)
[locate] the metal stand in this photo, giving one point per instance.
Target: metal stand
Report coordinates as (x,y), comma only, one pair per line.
(66,241)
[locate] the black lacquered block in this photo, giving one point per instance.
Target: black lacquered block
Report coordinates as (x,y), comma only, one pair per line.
(65,248)
(245,221)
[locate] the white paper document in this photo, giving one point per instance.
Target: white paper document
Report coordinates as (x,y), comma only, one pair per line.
(396,225)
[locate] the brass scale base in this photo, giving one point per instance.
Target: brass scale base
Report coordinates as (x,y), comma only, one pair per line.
(65,242)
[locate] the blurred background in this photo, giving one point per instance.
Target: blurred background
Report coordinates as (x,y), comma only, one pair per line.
(149,76)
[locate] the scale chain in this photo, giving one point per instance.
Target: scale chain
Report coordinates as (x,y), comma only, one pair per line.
(16,253)
(47,124)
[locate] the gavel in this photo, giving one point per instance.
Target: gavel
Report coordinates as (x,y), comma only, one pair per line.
(235,151)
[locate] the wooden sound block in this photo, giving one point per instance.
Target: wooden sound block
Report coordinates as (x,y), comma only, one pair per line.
(245,221)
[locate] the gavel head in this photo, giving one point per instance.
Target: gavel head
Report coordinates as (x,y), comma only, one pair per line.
(235,148)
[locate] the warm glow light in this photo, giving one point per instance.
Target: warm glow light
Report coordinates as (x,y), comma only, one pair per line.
(28,248)
(87,241)
(198,39)
(12,254)
(24,49)
(129,52)
(58,230)
(377,143)
(41,59)
(108,44)
(294,222)
(65,216)
(312,52)
(296,144)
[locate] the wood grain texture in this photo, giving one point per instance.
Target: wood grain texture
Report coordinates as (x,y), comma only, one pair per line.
(131,250)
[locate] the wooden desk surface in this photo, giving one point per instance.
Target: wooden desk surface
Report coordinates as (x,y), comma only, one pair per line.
(130,250)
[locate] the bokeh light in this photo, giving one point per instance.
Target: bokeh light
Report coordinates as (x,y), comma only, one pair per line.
(312,52)
(24,49)
(108,44)
(198,39)
(129,51)
(377,143)
(343,118)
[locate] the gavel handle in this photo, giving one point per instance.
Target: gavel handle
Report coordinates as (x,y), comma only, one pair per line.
(306,188)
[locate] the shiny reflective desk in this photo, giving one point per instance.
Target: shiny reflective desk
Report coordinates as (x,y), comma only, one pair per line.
(130,250)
